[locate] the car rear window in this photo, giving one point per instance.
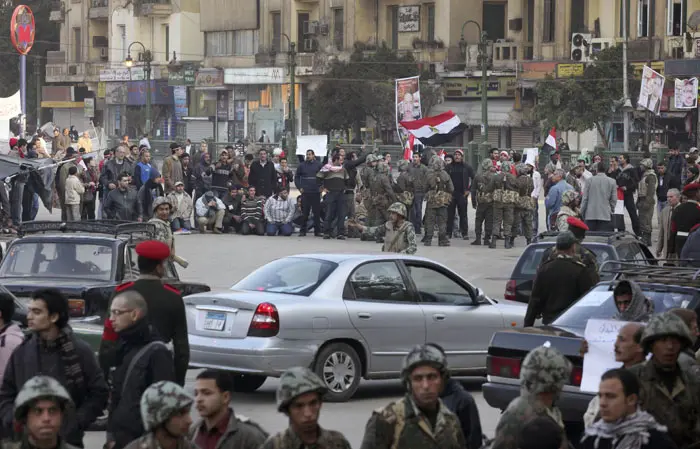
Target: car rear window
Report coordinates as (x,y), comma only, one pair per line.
(531,258)
(291,275)
(70,260)
(599,303)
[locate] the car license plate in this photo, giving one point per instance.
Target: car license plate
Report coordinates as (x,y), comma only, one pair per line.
(214,321)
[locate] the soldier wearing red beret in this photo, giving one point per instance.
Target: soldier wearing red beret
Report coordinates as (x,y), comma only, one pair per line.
(585,255)
(685,217)
(166,309)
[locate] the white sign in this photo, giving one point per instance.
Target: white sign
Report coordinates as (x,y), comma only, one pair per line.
(409,19)
(256,75)
(317,143)
(89,106)
(123,74)
(601,336)
(531,155)
(10,107)
(651,90)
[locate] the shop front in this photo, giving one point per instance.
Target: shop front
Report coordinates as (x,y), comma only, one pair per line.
(67,104)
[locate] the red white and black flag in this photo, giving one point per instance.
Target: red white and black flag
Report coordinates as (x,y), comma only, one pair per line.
(550,145)
(437,130)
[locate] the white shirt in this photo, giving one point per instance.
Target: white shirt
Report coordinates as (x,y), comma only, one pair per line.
(145,142)
(537,181)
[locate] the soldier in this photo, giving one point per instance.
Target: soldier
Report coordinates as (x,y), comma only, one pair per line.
(522,215)
(162,208)
(585,255)
(397,232)
(165,411)
(47,401)
(404,184)
(569,208)
(166,309)
(300,397)
(439,196)
(646,199)
(482,200)
(542,377)
(382,194)
(668,393)
(420,420)
(366,175)
(504,196)
(684,218)
(419,176)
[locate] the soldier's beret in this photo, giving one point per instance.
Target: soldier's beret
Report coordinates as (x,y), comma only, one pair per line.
(577,223)
(153,249)
(691,187)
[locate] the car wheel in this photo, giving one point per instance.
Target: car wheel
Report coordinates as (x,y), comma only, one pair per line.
(338,365)
(247,383)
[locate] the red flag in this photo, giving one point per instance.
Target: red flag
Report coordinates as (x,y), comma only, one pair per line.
(408,151)
(551,141)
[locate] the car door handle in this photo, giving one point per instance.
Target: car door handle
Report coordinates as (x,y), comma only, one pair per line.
(439,317)
(364,315)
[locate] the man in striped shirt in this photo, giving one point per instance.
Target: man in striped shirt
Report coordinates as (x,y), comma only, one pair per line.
(252,213)
(279,211)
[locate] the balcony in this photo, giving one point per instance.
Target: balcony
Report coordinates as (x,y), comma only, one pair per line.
(99,9)
(60,71)
(58,12)
(506,55)
(153,8)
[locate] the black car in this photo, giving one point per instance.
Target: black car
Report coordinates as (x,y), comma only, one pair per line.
(605,245)
(667,287)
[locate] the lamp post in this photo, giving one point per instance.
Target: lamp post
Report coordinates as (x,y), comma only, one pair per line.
(147,58)
(292,64)
(484,75)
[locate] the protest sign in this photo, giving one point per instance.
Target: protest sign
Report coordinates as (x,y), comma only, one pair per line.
(601,336)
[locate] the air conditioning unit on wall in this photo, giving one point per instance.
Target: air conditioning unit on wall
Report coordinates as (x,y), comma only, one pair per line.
(580,47)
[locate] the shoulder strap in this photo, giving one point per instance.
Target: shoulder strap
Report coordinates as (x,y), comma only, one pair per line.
(136,358)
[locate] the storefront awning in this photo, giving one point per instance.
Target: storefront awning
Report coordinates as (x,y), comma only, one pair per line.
(500,112)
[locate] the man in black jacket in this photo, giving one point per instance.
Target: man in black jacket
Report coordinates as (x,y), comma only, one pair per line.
(263,175)
(352,161)
(52,350)
(628,180)
(310,189)
(462,176)
(142,360)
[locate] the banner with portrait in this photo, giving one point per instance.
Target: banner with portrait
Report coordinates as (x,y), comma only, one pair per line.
(685,93)
(651,91)
(408,106)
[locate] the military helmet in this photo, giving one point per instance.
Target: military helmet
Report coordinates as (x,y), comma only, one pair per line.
(161,401)
(403,165)
(544,370)
(159,201)
(436,162)
(521,168)
(371,158)
(424,355)
(297,381)
(665,325)
(383,167)
(569,197)
(646,163)
(40,387)
(505,166)
(486,164)
(398,208)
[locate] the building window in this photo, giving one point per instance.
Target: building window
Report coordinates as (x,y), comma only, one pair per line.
(393,17)
(677,10)
(231,43)
(122,39)
(494,20)
(430,28)
(276,38)
(549,26)
(77,45)
(303,28)
(167,42)
(338,28)
(578,17)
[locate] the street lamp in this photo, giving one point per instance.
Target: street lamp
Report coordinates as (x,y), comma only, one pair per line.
(292,64)
(484,75)
(147,59)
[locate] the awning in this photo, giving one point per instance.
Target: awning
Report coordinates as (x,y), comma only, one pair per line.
(501,113)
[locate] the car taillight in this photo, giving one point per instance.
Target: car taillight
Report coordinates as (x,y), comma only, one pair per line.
(576,376)
(76,308)
(266,321)
(510,290)
(503,367)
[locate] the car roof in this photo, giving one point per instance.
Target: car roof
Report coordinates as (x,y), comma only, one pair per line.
(651,286)
(609,238)
(360,257)
(60,237)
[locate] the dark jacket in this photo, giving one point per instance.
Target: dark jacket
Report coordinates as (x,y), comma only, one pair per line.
(666,182)
(657,440)
(120,205)
(675,167)
(112,170)
(305,178)
(462,176)
(691,249)
(146,195)
(188,178)
(156,364)
(263,178)
(629,178)
(284,179)
(203,175)
(222,175)
(32,358)
(351,167)
(462,404)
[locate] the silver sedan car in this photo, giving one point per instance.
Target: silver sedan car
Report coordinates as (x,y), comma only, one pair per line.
(346,316)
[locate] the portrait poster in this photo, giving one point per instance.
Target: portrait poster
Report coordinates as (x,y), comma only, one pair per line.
(408,107)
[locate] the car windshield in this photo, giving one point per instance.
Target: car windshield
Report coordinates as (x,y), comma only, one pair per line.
(291,275)
(70,260)
(599,303)
(532,257)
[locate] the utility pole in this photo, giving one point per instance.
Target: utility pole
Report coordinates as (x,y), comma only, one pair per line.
(37,71)
(292,67)
(627,105)
(650,56)
(484,63)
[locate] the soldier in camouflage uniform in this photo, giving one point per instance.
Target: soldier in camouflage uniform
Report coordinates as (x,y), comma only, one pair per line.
(382,194)
(438,197)
(504,196)
(543,374)
(419,176)
(570,200)
(667,392)
(398,233)
(646,199)
(39,394)
(366,175)
(299,395)
(482,199)
(522,215)
(165,411)
(404,184)
(162,208)
(420,420)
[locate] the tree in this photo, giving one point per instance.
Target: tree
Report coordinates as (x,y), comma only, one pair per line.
(586,102)
(47,38)
(364,87)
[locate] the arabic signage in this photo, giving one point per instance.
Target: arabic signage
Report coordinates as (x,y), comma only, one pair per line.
(569,70)
(123,74)
(180,102)
(89,107)
(255,75)
(209,79)
(161,93)
(409,19)
(22,29)
(503,87)
(186,76)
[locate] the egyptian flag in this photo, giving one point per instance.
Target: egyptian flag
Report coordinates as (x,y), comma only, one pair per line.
(408,151)
(550,145)
(437,130)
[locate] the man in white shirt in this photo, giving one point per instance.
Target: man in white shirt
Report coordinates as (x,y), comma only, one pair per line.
(537,188)
(145,142)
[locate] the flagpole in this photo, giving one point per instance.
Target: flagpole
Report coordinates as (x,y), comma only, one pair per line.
(625,84)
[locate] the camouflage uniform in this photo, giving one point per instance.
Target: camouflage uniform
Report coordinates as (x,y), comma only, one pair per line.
(404,184)
(293,383)
(419,176)
(382,194)
(481,191)
(161,401)
(438,197)
(164,232)
(646,199)
(402,425)
(568,209)
(38,387)
(504,197)
(401,240)
(544,370)
(524,206)
(368,172)
(675,405)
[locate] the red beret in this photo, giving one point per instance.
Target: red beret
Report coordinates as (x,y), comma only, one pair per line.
(691,187)
(13,142)
(153,249)
(577,223)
